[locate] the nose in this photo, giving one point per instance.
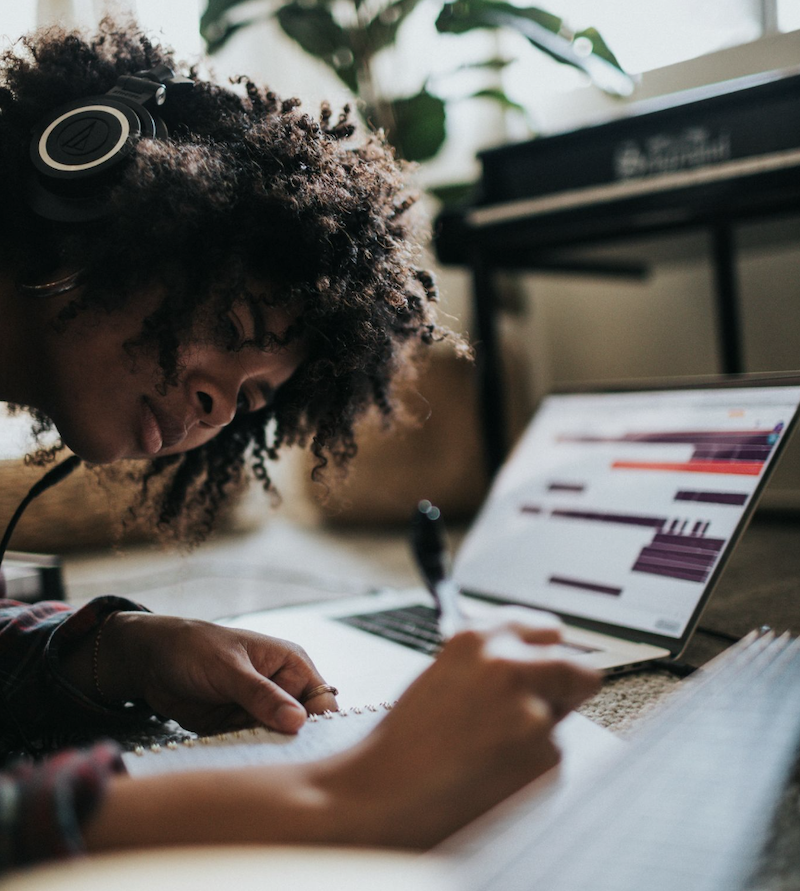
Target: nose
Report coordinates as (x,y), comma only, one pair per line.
(216,409)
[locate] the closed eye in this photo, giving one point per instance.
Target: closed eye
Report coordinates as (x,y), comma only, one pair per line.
(246,403)
(234,332)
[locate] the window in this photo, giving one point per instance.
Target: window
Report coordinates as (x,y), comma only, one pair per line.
(646,38)
(176,20)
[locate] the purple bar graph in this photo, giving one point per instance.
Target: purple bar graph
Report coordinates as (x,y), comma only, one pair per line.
(566,487)
(675,550)
(709,445)
(737,498)
(687,557)
(594,587)
(597,516)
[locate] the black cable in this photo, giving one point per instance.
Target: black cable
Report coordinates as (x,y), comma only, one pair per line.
(50,479)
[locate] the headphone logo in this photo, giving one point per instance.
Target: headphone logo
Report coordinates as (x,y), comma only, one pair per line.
(83,137)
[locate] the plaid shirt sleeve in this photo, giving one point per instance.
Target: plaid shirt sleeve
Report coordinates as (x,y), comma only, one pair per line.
(42,805)
(32,640)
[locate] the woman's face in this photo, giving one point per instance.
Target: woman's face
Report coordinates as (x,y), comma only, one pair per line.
(108,403)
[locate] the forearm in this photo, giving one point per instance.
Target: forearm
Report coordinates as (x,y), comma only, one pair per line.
(385,792)
(275,805)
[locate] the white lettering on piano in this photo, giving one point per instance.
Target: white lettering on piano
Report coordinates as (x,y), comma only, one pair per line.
(667,152)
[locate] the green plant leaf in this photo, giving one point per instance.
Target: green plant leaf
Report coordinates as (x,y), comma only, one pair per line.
(460,16)
(599,46)
(452,194)
(498,96)
(314,29)
(418,130)
(545,31)
(215,40)
(348,75)
(496,64)
(381,31)
(216,10)
(215,24)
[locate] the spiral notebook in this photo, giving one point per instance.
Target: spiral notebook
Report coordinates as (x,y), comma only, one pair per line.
(583,745)
(320,736)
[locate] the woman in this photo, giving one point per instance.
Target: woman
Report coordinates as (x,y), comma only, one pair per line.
(191,275)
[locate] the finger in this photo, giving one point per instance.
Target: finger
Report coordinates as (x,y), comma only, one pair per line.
(530,618)
(531,634)
(318,702)
(563,684)
(297,674)
(531,625)
(268,703)
(237,719)
(225,720)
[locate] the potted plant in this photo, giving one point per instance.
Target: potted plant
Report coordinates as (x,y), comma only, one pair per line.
(348,36)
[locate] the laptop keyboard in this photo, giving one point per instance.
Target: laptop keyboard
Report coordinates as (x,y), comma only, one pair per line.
(417,628)
(414,627)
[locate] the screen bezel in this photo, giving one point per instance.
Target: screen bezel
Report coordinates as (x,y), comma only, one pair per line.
(676,646)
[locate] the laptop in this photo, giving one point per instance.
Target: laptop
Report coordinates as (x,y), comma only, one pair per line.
(617,510)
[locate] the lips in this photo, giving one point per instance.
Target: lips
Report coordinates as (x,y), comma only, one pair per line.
(159,429)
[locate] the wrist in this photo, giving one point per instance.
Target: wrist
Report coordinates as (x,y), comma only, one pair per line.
(115,675)
(359,803)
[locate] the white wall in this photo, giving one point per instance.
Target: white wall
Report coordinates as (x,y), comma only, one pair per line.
(585,329)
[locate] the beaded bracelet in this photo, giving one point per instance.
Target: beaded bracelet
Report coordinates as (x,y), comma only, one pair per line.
(96,660)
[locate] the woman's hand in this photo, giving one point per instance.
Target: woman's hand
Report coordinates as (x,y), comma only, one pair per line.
(475,727)
(472,729)
(206,677)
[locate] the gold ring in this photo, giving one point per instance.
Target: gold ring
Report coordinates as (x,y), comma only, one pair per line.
(318,691)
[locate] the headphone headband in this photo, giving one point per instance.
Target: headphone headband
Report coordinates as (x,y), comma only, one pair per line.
(78,149)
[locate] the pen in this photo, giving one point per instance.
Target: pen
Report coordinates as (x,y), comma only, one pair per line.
(430,551)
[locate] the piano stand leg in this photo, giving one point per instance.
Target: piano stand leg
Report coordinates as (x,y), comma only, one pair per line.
(491,399)
(723,250)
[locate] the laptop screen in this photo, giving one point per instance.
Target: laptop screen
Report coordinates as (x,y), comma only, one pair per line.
(620,507)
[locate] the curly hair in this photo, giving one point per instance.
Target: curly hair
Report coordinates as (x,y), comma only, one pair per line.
(247,187)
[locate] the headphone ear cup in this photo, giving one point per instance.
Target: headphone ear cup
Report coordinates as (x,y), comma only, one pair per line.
(77,152)
(85,138)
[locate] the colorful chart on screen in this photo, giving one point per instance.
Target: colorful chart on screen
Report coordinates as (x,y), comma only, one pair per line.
(616,507)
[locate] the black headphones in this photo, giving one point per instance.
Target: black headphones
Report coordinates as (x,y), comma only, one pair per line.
(78,149)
